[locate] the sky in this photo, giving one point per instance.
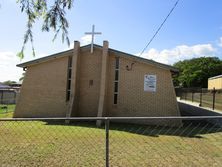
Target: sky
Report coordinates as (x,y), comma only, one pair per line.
(194,29)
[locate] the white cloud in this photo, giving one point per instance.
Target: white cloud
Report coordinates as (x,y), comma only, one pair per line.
(220,42)
(8,62)
(71,46)
(86,39)
(181,52)
(6,57)
(8,69)
(42,55)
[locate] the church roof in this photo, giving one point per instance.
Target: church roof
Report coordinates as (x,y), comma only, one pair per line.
(120,53)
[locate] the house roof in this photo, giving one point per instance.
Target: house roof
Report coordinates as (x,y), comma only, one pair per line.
(215,77)
(3,86)
(66,53)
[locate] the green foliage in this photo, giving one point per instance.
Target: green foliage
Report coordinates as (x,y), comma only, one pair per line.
(9,82)
(195,72)
(22,77)
(8,111)
(53,19)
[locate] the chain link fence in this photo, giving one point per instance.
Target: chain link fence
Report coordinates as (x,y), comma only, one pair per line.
(8,96)
(8,99)
(194,141)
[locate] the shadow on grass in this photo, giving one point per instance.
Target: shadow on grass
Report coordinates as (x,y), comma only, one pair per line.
(191,129)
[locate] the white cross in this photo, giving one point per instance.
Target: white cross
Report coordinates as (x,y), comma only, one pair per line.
(93,33)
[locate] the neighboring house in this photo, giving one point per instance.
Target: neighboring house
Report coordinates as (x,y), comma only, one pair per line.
(3,86)
(106,82)
(215,82)
(7,95)
(16,86)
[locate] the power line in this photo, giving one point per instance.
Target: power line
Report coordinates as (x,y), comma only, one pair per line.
(159,27)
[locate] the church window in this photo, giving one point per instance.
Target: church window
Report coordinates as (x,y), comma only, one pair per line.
(116,81)
(115,98)
(69,76)
(116,75)
(115,87)
(117,62)
(91,82)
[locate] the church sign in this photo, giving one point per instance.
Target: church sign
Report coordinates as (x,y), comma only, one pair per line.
(150,83)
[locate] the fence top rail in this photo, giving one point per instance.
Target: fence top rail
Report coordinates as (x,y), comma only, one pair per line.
(113,118)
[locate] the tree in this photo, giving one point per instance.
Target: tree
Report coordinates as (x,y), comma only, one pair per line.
(9,82)
(195,72)
(22,77)
(53,19)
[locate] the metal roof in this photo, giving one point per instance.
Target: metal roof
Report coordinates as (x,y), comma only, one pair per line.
(120,53)
(215,77)
(46,58)
(3,86)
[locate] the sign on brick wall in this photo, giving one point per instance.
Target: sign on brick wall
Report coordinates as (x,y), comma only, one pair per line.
(150,83)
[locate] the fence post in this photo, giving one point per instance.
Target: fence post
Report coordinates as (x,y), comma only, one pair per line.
(1,97)
(200,97)
(214,91)
(107,141)
(181,94)
(192,95)
(14,97)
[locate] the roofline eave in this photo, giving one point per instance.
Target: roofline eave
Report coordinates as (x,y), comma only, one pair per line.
(61,54)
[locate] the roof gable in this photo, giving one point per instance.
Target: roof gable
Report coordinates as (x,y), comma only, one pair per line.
(120,53)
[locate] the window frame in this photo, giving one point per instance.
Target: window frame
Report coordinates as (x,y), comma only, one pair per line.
(69,79)
(116,81)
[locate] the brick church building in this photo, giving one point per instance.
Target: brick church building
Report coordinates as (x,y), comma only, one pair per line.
(105,82)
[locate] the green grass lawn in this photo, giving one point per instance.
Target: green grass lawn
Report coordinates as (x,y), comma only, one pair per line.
(82,144)
(7,113)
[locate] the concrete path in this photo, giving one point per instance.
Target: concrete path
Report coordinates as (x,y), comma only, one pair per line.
(198,105)
(188,108)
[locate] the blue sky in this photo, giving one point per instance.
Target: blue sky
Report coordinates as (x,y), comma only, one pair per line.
(194,29)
